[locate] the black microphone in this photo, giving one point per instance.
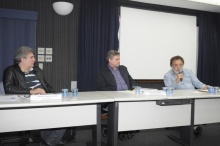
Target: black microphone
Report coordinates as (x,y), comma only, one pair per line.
(180,72)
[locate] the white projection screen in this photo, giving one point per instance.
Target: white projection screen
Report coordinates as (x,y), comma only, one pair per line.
(148,39)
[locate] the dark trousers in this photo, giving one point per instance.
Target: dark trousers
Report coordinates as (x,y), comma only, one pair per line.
(52,137)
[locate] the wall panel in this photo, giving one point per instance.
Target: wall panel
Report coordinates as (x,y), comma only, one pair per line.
(57,32)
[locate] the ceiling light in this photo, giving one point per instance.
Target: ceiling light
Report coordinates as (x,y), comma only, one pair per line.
(62,8)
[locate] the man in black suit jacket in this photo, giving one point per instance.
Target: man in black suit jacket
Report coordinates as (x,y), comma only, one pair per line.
(114,77)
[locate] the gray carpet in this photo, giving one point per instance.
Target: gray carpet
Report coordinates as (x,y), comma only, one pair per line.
(155,137)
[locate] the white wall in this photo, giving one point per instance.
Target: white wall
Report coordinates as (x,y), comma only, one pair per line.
(148,39)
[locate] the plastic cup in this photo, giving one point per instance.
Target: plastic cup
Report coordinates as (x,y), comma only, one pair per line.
(216,90)
(170,91)
(210,90)
(165,89)
(64,92)
(137,90)
(74,92)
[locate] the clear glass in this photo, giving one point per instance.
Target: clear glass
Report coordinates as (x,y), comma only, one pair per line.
(64,92)
(74,92)
(165,89)
(210,90)
(137,90)
(216,90)
(170,91)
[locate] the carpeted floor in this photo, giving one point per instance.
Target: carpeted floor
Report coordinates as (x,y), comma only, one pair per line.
(155,137)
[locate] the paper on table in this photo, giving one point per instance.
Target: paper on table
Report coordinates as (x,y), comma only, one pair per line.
(154,92)
(198,91)
(203,90)
(9,98)
(46,97)
(147,89)
(128,91)
(142,90)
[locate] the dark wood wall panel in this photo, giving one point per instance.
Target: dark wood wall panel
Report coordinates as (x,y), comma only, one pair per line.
(57,32)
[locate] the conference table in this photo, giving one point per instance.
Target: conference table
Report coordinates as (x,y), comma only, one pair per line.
(22,114)
(127,111)
(185,108)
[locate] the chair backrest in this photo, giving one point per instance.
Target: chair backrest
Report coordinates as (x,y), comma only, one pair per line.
(2,91)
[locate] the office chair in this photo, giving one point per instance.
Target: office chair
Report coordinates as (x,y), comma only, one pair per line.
(15,137)
(121,135)
(197,130)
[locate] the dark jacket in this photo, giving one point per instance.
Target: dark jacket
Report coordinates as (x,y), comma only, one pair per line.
(14,80)
(106,80)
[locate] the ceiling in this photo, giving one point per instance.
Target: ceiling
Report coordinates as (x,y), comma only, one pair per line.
(184,4)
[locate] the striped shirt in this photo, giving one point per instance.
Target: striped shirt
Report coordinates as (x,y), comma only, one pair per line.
(32,81)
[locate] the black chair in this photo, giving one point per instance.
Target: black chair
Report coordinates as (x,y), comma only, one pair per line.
(104,116)
(197,130)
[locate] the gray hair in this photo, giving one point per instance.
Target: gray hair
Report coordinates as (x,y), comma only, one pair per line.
(111,54)
(176,58)
(22,52)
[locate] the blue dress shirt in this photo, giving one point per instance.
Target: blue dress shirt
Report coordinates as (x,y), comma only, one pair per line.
(190,81)
(121,85)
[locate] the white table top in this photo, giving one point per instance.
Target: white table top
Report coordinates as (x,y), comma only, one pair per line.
(83,98)
(101,97)
(194,94)
(178,94)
